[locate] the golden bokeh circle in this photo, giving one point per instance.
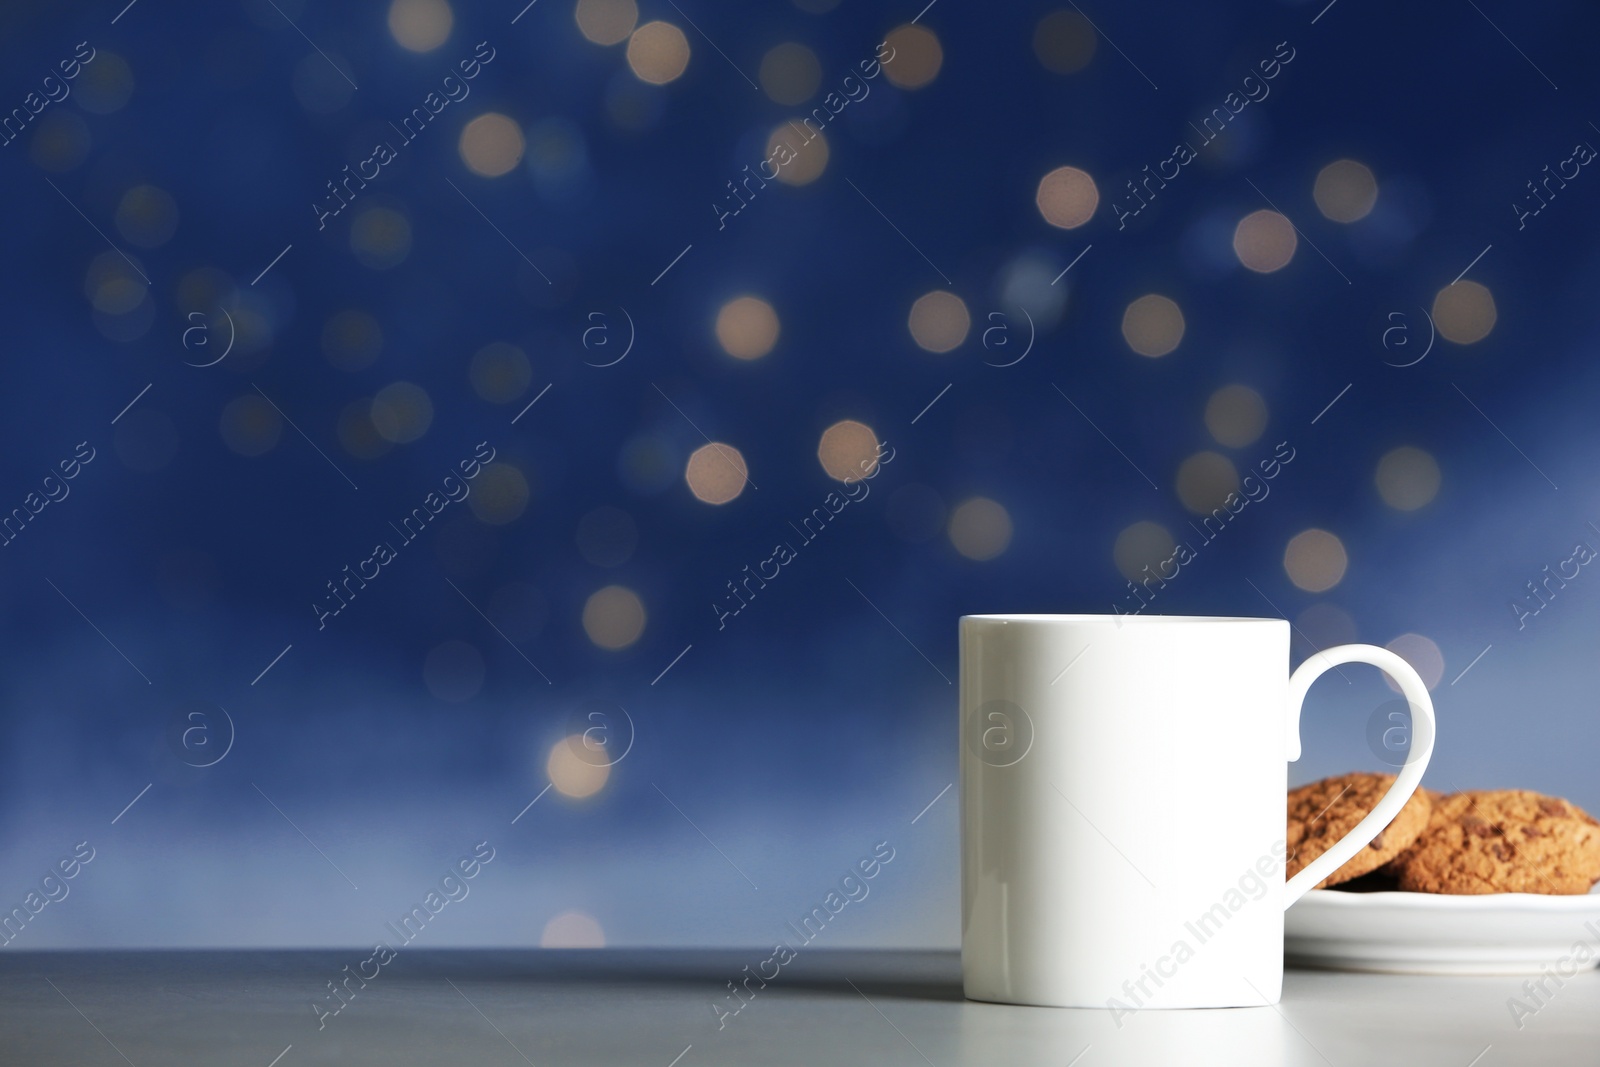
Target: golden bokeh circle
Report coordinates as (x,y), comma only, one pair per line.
(1142,545)
(1315,560)
(492,144)
(1407,478)
(104,85)
(500,372)
(119,296)
(802,161)
(915,58)
(1424,655)
(747,327)
(980,528)
(499,494)
(848,451)
(573,929)
(658,53)
(402,412)
(206,286)
(380,238)
(1464,312)
(420,25)
(613,617)
(1205,481)
(606,22)
(570,774)
(1064,41)
(61,141)
(113,286)
(939,321)
(1264,241)
(1236,415)
(790,73)
(1153,325)
(716,473)
(1067,197)
(147,216)
(1345,190)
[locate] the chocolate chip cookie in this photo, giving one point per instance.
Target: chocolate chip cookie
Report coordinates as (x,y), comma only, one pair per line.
(1502,841)
(1323,812)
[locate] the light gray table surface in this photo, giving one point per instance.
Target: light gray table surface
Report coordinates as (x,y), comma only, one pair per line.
(652,1008)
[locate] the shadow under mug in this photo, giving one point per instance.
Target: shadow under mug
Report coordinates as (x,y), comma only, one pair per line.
(1122,806)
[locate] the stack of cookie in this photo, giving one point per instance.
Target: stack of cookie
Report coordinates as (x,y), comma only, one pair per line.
(1495,841)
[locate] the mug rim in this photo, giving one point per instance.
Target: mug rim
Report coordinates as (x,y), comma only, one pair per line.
(1117,620)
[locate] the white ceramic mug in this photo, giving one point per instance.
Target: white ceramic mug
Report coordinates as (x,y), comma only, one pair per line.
(1122,806)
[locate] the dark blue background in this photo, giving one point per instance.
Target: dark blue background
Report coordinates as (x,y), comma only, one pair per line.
(809,728)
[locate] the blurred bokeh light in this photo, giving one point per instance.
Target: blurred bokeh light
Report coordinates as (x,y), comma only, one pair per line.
(1141,546)
(402,412)
(716,473)
(1236,415)
(147,216)
(500,372)
(492,145)
(1067,197)
(747,327)
(571,774)
(420,25)
(790,73)
(1064,41)
(573,929)
(1205,481)
(1315,560)
(104,85)
(980,528)
(1423,655)
(606,21)
(939,321)
(1464,312)
(848,451)
(613,617)
(1153,325)
(1264,241)
(500,494)
(1345,191)
(804,156)
(380,237)
(915,58)
(1407,478)
(658,52)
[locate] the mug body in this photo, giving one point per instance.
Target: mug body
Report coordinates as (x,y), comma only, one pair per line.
(1122,810)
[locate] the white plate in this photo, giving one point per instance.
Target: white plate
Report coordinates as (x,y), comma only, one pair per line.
(1429,933)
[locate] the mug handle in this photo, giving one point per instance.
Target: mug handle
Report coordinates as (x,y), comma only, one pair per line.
(1405,783)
